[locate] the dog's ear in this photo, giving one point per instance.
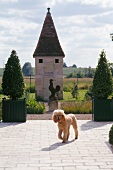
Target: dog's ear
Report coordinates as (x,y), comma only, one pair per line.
(54,118)
(64,117)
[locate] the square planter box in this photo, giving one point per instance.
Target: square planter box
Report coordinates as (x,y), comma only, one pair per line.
(14,110)
(102,109)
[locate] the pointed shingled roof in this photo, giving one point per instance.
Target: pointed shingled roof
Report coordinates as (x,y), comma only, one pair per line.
(48,44)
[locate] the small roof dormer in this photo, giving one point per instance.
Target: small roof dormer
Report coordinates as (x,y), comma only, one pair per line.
(48,44)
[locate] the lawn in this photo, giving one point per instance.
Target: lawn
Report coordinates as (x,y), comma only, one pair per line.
(68,84)
(67,96)
(83,83)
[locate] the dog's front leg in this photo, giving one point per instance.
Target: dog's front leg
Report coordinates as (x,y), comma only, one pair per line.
(60,134)
(65,136)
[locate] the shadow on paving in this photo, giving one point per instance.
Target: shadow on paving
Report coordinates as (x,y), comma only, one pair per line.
(6,124)
(109,146)
(56,145)
(92,124)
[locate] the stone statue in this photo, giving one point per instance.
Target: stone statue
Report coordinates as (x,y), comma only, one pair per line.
(53,91)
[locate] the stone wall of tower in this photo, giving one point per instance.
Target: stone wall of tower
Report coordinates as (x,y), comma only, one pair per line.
(47,68)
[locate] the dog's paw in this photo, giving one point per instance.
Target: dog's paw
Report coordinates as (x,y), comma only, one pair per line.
(64,141)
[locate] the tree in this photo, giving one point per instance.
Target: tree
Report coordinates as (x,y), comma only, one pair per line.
(64,65)
(27,69)
(75,91)
(74,66)
(70,75)
(102,82)
(12,81)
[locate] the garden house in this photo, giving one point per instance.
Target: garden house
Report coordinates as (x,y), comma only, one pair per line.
(48,60)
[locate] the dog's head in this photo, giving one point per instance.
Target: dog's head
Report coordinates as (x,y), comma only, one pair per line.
(58,116)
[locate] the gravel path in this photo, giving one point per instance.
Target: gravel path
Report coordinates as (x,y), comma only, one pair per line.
(47,116)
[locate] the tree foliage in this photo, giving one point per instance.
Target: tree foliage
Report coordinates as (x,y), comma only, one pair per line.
(102,82)
(64,65)
(74,75)
(27,69)
(12,81)
(74,66)
(90,73)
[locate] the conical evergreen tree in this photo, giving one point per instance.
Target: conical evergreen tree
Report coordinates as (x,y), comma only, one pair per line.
(12,81)
(102,82)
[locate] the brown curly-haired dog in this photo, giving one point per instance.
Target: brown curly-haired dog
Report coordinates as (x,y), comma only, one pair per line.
(64,122)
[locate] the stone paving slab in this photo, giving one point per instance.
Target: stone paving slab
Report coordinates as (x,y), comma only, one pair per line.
(34,146)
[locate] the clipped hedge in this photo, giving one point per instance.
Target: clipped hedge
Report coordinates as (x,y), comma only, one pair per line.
(34,107)
(111,135)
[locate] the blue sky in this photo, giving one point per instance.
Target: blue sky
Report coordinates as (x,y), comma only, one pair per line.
(83,28)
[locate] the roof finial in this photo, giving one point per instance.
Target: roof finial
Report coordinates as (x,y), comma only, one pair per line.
(48,11)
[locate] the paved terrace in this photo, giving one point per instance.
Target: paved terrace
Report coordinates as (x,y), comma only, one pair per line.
(34,146)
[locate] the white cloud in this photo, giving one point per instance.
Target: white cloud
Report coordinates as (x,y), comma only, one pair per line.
(83,28)
(103,3)
(9,1)
(83,38)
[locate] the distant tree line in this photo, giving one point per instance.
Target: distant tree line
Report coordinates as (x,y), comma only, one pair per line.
(65,65)
(88,72)
(27,70)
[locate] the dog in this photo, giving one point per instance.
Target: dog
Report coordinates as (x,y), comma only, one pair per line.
(64,122)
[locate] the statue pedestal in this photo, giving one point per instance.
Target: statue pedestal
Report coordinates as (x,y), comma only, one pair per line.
(53,105)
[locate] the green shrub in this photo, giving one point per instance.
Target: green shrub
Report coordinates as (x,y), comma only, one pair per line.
(67,89)
(88,95)
(71,75)
(83,107)
(75,91)
(40,99)
(34,107)
(1,92)
(111,135)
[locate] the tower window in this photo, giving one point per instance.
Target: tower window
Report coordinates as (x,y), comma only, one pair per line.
(40,60)
(56,60)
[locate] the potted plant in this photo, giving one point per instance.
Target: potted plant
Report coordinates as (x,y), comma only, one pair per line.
(13,108)
(102,104)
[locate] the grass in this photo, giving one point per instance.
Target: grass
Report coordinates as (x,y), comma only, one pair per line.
(83,83)
(67,96)
(83,107)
